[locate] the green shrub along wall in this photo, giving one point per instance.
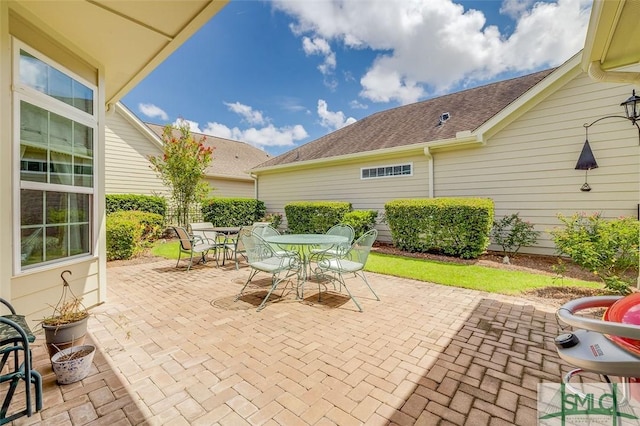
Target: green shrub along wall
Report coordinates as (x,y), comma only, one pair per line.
(453,226)
(144,203)
(361,220)
(129,232)
(314,217)
(233,211)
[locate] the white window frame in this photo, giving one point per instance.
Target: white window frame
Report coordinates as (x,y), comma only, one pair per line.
(362,169)
(22,92)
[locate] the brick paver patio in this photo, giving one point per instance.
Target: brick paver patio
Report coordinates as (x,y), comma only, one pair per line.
(174,348)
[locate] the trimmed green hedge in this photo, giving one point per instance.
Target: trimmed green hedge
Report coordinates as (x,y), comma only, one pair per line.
(453,226)
(144,203)
(129,231)
(314,217)
(233,211)
(361,221)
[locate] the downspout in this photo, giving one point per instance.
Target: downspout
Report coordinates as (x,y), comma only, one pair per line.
(427,153)
(255,185)
(598,74)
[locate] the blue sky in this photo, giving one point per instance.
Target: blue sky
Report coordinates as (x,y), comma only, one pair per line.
(280,74)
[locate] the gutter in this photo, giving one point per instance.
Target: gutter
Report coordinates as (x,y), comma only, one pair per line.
(598,74)
(462,138)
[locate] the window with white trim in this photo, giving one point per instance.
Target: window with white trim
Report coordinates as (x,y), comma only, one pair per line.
(55,130)
(386,171)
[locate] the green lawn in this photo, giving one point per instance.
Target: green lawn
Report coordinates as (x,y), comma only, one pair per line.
(474,277)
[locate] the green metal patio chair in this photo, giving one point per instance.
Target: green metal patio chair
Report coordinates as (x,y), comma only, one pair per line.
(262,258)
(234,246)
(350,262)
(15,337)
(341,229)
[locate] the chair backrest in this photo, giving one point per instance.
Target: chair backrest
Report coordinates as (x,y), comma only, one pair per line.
(199,226)
(185,238)
(265,230)
(343,230)
(239,245)
(256,248)
(360,249)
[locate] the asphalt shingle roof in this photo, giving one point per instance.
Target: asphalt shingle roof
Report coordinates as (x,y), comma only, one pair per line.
(231,158)
(415,123)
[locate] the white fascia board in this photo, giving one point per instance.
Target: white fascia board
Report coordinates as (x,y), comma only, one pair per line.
(228,177)
(138,124)
(367,155)
(563,74)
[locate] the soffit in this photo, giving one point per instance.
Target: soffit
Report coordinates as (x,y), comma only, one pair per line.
(613,36)
(127,39)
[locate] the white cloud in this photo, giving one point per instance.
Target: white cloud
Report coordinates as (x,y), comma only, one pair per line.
(430,47)
(153,111)
(515,8)
(292,104)
(194,127)
(332,120)
(247,113)
(355,104)
(264,136)
(319,46)
(268,136)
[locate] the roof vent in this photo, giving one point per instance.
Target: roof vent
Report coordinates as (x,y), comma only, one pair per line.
(444,117)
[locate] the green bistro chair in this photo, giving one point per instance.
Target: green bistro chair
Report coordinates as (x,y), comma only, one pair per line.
(15,337)
(234,247)
(351,261)
(262,258)
(340,229)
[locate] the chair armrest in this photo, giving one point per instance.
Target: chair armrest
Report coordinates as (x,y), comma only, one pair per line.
(8,305)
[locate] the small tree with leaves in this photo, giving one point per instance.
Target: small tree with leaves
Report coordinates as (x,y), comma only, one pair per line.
(181,168)
(511,233)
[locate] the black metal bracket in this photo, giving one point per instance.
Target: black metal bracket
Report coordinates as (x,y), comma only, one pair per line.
(634,122)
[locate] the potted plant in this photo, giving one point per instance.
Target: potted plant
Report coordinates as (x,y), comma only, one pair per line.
(73,364)
(67,325)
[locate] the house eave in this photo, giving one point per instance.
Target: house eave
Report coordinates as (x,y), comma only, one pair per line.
(462,138)
(609,41)
(125,40)
(532,97)
(139,125)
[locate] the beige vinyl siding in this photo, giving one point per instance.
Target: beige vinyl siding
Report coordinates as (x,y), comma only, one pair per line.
(528,167)
(33,292)
(127,165)
(231,188)
(342,182)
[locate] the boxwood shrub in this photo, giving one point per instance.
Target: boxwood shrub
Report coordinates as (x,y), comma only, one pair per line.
(453,226)
(314,217)
(128,232)
(361,220)
(233,211)
(144,203)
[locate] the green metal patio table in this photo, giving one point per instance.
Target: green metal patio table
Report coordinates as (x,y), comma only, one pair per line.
(303,243)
